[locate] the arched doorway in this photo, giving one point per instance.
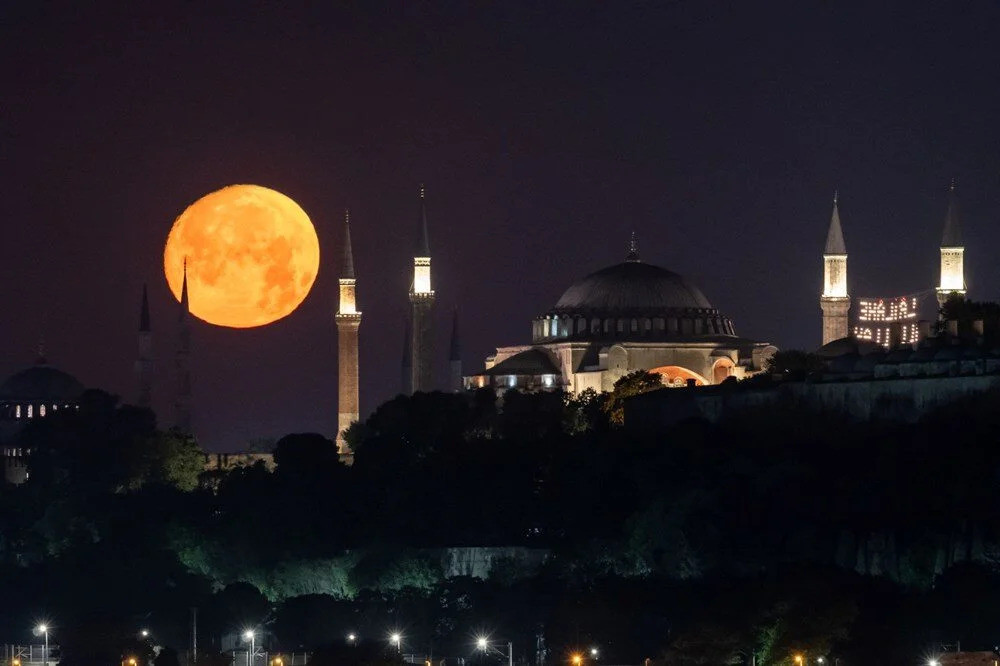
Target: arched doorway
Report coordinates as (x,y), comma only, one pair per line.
(722,370)
(675,375)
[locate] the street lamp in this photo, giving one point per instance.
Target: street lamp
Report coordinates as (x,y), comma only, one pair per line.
(577,659)
(593,652)
(351,638)
(483,643)
(820,660)
(44,629)
(144,633)
(933,662)
(798,659)
(397,640)
(248,635)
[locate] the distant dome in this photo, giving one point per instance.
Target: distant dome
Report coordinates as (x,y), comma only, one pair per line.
(41,383)
(848,345)
(631,286)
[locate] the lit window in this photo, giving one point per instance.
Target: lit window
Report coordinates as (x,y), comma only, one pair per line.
(30,412)
(41,410)
(17,412)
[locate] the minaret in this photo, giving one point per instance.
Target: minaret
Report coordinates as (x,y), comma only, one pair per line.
(182,398)
(406,379)
(422,302)
(952,253)
(835,301)
(455,357)
(348,323)
(144,361)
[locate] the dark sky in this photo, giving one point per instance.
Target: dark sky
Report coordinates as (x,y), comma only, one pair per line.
(545,132)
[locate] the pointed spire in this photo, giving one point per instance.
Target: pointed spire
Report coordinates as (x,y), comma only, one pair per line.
(633,249)
(835,236)
(423,244)
(347,265)
(455,350)
(952,236)
(185,306)
(144,311)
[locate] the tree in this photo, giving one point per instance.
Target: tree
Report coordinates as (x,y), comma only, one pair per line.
(795,364)
(632,384)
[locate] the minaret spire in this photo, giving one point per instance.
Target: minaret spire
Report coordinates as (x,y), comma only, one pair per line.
(455,356)
(422,307)
(144,360)
(834,300)
(348,322)
(952,280)
(182,370)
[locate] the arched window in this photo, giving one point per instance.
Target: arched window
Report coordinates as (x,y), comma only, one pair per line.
(31,412)
(634,326)
(581,324)
(595,325)
(647,324)
(17,412)
(608,323)
(41,410)
(621,325)
(660,323)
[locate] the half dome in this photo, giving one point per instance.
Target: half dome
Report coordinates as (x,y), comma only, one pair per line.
(631,286)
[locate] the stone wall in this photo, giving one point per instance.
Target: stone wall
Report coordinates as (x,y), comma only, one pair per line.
(479,562)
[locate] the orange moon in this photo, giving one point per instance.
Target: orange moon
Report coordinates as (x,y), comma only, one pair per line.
(252,256)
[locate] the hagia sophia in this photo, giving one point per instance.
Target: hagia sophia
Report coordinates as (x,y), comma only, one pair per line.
(626,317)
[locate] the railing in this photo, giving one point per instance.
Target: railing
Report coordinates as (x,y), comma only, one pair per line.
(29,654)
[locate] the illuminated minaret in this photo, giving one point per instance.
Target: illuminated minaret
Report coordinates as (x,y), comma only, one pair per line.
(144,361)
(348,323)
(182,370)
(422,302)
(952,253)
(835,302)
(455,357)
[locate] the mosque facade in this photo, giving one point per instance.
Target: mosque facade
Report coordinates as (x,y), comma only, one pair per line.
(626,317)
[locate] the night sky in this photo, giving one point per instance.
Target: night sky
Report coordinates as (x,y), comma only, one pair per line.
(545,134)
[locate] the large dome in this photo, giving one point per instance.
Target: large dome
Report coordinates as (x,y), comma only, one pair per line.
(631,286)
(41,383)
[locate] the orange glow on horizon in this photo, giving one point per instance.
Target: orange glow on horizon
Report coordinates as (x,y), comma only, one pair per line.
(252,256)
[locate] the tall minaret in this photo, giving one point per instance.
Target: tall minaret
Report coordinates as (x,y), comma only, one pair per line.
(406,379)
(952,253)
(144,361)
(182,370)
(422,301)
(348,323)
(835,301)
(455,357)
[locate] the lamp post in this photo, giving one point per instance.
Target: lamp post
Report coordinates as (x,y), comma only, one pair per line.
(249,636)
(352,638)
(397,640)
(483,644)
(44,629)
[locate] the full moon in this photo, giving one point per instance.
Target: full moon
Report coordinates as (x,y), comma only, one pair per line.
(252,256)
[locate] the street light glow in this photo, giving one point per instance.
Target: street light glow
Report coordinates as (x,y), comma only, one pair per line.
(248,635)
(351,637)
(145,633)
(577,659)
(593,652)
(481,643)
(820,660)
(933,662)
(42,628)
(395,638)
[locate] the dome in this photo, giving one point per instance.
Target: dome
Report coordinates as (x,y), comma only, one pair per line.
(631,286)
(41,383)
